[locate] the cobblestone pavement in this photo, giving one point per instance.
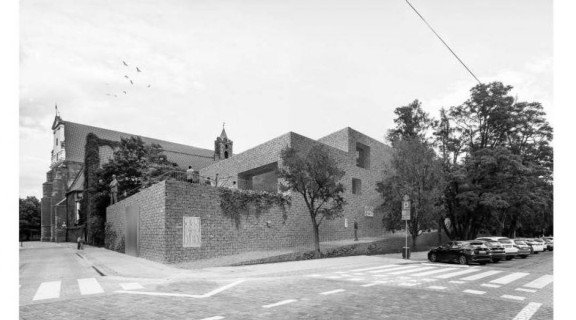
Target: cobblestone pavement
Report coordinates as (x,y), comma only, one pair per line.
(370,290)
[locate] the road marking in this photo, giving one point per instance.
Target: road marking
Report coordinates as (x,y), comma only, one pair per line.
(457,273)
(131,286)
(540,282)
(370,284)
(341,272)
(513,297)
(394,269)
(526,290)
(406,284)
(427,273)
(490,285)
(456,282)
(374,268)
(452,266)
(313,275)
(412,270)
(509,278)
(474,291)
(428,280)
(333,291)
(279,303)
(48,290)
(206,295)
(89,286)
(333,277)
(481,275)
(213,318)
(528,311)
(437,287)
(356,279)
(358,274)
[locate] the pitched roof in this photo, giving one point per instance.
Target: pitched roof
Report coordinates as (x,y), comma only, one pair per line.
(183,155)
(223,134)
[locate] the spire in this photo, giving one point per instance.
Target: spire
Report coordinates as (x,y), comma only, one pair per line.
(57,118)
(223,134)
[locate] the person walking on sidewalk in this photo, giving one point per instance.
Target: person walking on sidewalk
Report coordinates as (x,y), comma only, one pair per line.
(79,240)
(355,230)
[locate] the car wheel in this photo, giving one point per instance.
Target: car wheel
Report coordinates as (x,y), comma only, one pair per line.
(433,257)
(536,252)
(523,257)
(495,260)
(482,263)
(462,259)
(509,257)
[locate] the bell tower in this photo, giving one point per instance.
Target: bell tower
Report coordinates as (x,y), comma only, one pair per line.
(222,146)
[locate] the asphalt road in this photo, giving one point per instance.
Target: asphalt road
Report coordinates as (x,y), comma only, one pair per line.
(343,288)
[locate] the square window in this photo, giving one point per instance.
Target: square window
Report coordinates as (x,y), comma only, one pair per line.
(362,155)
(356,186)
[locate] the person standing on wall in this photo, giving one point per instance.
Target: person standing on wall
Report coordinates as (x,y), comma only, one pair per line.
(113,190)
(190,174)
(355,230)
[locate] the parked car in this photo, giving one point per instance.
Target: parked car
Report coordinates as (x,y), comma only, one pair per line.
(524,249)
(463,252)
(536,246)
(497,251)
(549,243)
(542,242)
(509,248)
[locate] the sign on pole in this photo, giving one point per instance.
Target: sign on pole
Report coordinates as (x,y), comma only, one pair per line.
(406,208)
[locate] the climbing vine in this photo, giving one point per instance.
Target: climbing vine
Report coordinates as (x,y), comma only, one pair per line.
(238,203)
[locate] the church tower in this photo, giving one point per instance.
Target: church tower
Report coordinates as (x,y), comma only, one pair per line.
(222,146)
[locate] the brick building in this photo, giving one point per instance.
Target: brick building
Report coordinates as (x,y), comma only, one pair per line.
(66,180)
(176,221)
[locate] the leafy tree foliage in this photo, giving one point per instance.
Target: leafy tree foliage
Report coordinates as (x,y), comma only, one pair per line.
(411,122)
(136,165)
(29,217)
(414,170)
(314,175)
(498,162)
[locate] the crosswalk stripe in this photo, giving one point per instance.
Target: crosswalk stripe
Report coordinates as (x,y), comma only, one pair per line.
(412,270)
(131,286)
(427,273)
(540,282)
(89,286)
(481,275)
(374,268)
(333,291)
(437,287)
(48,290)
(528,311)
(279,303)
(457,273)
(513,297)
(490,285)
(475,291)
(509,278)
(393,269)
(525,290)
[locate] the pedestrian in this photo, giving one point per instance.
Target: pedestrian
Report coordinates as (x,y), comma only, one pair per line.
(355,230)
(79,240)
(113,190)
(190,174)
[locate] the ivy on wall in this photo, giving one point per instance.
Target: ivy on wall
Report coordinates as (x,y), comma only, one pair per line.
(238,203)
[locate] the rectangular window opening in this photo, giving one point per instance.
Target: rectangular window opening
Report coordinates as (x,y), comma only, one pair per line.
(356,186)
(362,155)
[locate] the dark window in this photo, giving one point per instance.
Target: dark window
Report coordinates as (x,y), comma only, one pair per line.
(362,155)
(356,186)
(264,178)
(225,154)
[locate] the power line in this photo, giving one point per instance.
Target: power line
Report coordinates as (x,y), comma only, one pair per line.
(444,42)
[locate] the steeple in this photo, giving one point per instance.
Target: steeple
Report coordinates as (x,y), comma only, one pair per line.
(222,146)
(57,118)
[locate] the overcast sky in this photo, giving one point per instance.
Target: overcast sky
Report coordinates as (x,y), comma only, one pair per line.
(264,67)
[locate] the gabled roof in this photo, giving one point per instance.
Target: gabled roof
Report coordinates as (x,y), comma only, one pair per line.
(78,183)
(183,155)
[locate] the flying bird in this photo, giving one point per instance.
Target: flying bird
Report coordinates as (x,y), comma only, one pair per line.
(124,92)
(125,76)
(138,69)
(148,86)
(124,62)
(131,82)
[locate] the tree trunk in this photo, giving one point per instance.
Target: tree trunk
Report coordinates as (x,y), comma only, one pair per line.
(316,240)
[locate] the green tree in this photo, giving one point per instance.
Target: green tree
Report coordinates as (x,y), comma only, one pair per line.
(414,170)
(136,165)
(411,122)
(315,176)
(29,217)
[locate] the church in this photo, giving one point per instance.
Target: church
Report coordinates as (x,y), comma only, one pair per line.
(68,177)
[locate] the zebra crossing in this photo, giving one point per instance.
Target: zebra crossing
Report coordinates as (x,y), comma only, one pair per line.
(440,277)
(70,288)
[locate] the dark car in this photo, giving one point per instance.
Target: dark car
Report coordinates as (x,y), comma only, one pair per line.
(497,252)
(524,249)
(463,252)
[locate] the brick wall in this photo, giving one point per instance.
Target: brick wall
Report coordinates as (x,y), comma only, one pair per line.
(151,234)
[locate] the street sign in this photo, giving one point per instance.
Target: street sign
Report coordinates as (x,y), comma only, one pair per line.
(406,209)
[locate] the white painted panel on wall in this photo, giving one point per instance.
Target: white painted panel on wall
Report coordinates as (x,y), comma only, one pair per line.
(191,232)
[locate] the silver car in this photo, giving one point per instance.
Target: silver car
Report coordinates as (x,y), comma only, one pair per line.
(507,243)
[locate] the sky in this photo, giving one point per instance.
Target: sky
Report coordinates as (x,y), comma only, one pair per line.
(263,67)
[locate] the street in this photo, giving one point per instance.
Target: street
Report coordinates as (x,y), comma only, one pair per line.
(58,284)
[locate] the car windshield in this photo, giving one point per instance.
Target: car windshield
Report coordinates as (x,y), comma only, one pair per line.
(520,242)
(505,241)
(492,244)
(538,240)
